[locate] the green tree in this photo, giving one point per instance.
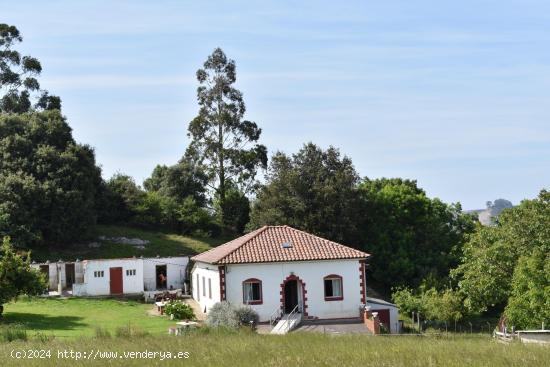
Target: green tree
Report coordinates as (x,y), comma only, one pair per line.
(529,303)
(48,182)
(18,77)
(220,137)
(412,237)
(16,275)
(313,190)
(119,200)
(490,257)
(237,210)
(186,178)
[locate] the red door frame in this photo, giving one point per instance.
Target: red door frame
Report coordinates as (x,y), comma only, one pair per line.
(115,280)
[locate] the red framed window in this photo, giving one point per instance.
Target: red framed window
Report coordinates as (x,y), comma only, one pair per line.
(334,290)
(252,292)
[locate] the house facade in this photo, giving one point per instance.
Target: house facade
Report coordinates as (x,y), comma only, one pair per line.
(127,276)
(281,269)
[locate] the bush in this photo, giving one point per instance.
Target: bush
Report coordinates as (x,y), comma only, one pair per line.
(180,310)
(12,332)
(247,316)
(224,314)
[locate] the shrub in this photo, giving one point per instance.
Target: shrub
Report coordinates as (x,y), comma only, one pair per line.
(224,314)
(180,310)
(247,316)
(12,332)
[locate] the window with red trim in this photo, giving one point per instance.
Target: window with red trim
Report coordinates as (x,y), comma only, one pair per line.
(333,288)
(252,292)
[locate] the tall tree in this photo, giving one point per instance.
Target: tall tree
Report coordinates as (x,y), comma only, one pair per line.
(18,77)
(48,182)
(220,137)
(314,190)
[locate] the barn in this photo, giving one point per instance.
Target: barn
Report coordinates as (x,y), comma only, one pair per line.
(281,270)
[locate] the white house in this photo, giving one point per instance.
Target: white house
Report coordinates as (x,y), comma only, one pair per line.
(279,269)
(129,276)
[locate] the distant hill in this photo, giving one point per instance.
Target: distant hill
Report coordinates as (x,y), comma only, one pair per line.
(487,216)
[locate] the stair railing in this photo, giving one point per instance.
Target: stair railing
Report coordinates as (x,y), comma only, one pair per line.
(275,315)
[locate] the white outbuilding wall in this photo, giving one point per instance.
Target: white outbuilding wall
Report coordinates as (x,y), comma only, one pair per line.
(98,286)
(312,274)
(176,271)
(377,304)
(205,282)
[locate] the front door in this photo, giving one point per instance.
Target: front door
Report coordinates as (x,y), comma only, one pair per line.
(115,281)
(291,295)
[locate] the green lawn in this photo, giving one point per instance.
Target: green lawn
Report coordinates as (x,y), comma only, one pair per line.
(296,349)
(163,244)
(75,317)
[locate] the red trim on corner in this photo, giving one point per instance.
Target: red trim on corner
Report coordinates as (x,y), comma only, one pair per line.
(221,269)
(256,302)
(362,281)
(334,276)
(304,292)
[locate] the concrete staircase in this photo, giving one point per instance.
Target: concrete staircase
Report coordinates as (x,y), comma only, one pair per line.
(287,323)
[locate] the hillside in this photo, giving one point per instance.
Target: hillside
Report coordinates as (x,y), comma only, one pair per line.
(118,241)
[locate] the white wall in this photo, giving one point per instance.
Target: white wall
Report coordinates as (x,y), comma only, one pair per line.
(311,273)
(200,294)
(175,271)
(53,273)
(100,286)
(394,314)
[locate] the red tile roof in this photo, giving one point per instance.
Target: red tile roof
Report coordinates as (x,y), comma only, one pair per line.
(266,245)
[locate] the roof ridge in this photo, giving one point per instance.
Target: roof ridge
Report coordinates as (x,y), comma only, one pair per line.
(323,239)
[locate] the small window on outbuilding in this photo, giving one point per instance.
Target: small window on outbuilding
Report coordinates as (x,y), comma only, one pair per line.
(333,288)
(252,292)
(99,274)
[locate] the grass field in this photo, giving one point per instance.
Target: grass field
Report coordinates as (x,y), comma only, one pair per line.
(163,244)
(76,317)
(295,349)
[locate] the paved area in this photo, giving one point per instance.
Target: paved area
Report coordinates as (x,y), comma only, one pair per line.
(335,327)
(353,326)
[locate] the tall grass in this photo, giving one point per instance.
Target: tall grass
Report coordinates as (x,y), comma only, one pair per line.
(219,348)
(11,332)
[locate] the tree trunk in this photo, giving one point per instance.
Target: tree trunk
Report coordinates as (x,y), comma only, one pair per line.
(1,310)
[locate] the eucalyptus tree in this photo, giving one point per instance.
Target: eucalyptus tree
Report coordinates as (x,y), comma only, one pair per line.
(18,77)
(223,141)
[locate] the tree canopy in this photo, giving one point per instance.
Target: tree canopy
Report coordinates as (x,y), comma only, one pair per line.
(411,236)
(48,182)
(314,190)
(18,77)
(491,255)
(16,275)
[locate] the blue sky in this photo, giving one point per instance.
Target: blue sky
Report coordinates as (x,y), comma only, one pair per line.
(453,94)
